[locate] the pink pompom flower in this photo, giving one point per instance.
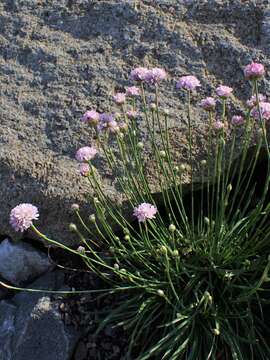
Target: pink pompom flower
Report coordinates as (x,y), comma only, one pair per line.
(85,153)
(84,169)
(133,91)
(155,76)
(254,71)
(218,125)
(253,100)
(22,216)
(237,120)
(188,82)
(224,91)
(208,104)
(91,117)
(131,114)
(144,212)
(138,74)
(113,127)
(264,109)
(119,98)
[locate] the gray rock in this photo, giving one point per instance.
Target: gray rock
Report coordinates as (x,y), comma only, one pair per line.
(59,59)
(31,326)
(20,263)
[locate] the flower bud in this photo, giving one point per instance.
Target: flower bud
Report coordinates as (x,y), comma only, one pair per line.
(207,221)
(116,266)
(163,249)
(162,153)
(81,249)
(153,106)
(203,162)
(125,231)
(72,227)
(140,145)
(127,237)
(176,169)
(216,332)
(229,188)
(111,249)
(75,207)
(182,167)
(172,228)
(92,218)
(175,253)
(160,293)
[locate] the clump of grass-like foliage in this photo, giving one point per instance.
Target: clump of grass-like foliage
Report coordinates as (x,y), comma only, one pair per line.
(193,278)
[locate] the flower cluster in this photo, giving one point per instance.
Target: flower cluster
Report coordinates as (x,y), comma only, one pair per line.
(145,211)
(22,216)
(150,76)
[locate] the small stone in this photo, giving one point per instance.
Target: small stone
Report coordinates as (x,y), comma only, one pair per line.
(21,263)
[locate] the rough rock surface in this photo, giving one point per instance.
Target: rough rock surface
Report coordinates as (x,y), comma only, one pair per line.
(60,57)
(31,326)
(20,263)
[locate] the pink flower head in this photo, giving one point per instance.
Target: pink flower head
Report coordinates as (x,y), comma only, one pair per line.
(112,126)
(208,104)
(85,153)
(155,76)
(119,98)
(254,71)
(237,120)
(188,82)
(138,74)
(91,117)
(264,109)
(84,169)
(224,91)
(123,126)
(106,117)
(218,125)
(145,211)
(253,100)
(22,216)
(133,91)
(131,114)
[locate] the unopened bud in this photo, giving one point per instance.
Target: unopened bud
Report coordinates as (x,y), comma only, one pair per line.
(175,253)
(182,167)
(203,162)
(153,106)
(162,153)
(127,237)
(229,188)
(207,221)
(140,145)
(176,169)
(92,218)
(216,332)
(160,293)
(172,228)
(81,249)
(75,207)
(111,249)
(72,227)
(116,266)
(163,249)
